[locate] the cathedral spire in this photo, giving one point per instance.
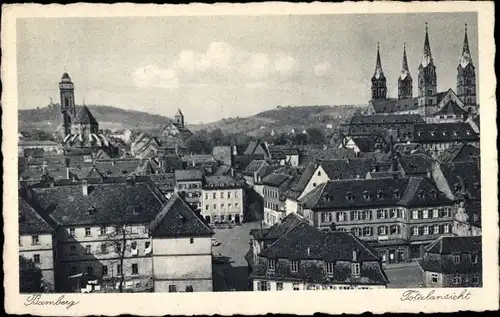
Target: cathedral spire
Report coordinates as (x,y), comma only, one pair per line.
(427,57)
(405,60)
(378,66)
(466,58)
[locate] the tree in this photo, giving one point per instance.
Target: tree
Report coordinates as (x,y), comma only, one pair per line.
(316,136)
(200,142)
(30,276)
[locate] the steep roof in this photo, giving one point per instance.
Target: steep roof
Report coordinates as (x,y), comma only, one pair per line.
(188,175)
(254,166)
(463,176)
(348,169)
(85,116)
(300,182)
(30,222)
(454,244)
(444,132)
(277,230)
(450,108)
(314,247)
(394,105)
(415,164)
(413,191)
(177,219)
(105,203)
(459,153)
(221,181)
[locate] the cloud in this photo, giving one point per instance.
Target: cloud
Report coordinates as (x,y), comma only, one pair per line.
(221,64)
(152,76)
(322,69)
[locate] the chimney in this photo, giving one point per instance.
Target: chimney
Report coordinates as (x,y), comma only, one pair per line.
(68,176)
(113,163)
(308,251)
(85,188)
(235,150)
(354,255)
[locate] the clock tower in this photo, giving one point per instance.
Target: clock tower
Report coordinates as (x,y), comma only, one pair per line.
(68,109)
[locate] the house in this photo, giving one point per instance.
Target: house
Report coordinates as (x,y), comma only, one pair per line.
(188,184)
(305,258)
(36,242)
(97,225)
(182,249)
(286,155)
(253,173)
(313,155)
(222,200)
(48,146)
(274,186)
(258,147)
(241,161)
(364,143)
(204,162)
(415,164)
(453,262)
(165,182)
(144,146)
(360,125)
(395,105)
(437,137)
(450,112)
(396,216)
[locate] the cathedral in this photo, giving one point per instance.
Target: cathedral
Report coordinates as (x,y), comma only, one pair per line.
(80,129)
(433,106)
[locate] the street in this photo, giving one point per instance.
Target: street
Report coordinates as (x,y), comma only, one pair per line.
(233,274)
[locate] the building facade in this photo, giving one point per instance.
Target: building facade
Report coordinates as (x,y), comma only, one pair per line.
(222,200)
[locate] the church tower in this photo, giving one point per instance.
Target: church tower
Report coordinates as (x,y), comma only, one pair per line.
(466,78)
(68,109)
(379,83)
(427,80)
(405,82)
(179,118)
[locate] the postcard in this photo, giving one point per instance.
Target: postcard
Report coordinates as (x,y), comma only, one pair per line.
(249,158)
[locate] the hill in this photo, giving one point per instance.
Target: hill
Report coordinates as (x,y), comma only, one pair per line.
(48,118)
(283,120)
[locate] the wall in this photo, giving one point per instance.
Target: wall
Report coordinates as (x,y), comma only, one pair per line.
(302,286)
(192,188)
(293,160)
(177,261)
(319,177)
(291,206)
(46,252)
(223,205)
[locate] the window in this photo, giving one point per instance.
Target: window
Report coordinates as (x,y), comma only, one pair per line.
(329,267)
(90,270)
(271,265)
(104,248)
(133,245)
(394,213)
(222,218)
(414,214)
(206,207)
(426,230)
(214,195)
(118,247)
(395,229)
(294,266)
(340,216)
(356,231)
(103,230)
(35,239)
(314,184)
(236,205)
(446,212)
(228,194)
(457,280)
(118,269)
(135,268)
(434,277)
(355,269)
(229,205)
(279,286)
(36,258)
(436,229)
(221,194)
(296,287)
(191,240)
(215,207)
(435,213)
(475,278)
(87,232)
(367,231)
(456,258)
(72,250)
(104,270)
(382,230)
(147,244)
(414,231)
(222,206)
(172,288)
(235,194)
(425,214)
(88,249)
(446,228)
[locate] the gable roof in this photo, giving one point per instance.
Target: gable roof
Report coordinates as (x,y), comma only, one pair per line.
(300,181)
(85,116)
(415,164)
(459,153)
(444,132)
(463,176)
(393,105)
(30,222)
(112,203)
(454,244)
(278,229)
(177,219)
(254,166)
(450,108)
(348,169)
(188,175)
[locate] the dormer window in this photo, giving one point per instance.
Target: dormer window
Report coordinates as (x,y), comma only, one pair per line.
(294,266)
(367,195)
(456,258)
(434,194)
(350,197)
(380,195)
(271,265)
(421,194)
(329,267)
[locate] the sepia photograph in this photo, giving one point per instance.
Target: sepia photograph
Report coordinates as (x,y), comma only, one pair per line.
(322,152)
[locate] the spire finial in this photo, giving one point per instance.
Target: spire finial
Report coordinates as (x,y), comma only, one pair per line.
(426,27)
(50,101)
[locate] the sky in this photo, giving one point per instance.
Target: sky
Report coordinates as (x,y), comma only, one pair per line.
(215,67)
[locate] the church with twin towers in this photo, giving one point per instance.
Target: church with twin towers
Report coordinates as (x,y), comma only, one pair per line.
(429,103)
